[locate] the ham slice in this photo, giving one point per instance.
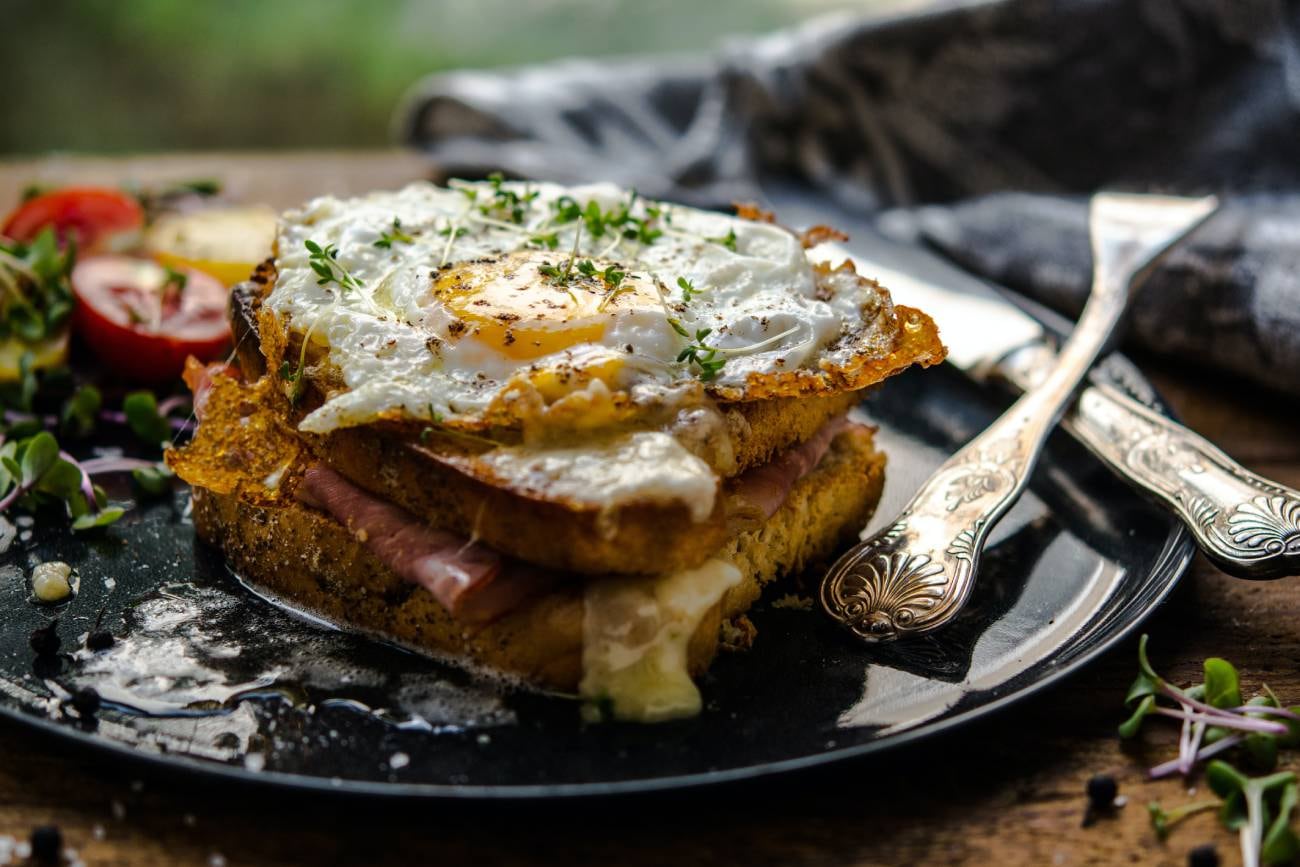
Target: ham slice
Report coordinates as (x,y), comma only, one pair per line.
(198,376)
(765,488)
(476,583)
(469,579)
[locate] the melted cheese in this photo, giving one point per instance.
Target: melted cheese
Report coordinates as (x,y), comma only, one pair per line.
(642,467)
(636,635)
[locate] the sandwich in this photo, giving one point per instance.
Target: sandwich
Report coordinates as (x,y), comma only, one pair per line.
(566,434)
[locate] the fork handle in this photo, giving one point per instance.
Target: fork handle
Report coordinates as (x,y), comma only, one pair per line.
(1246,524)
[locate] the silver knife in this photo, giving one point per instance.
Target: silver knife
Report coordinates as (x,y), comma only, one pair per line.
(1247,525)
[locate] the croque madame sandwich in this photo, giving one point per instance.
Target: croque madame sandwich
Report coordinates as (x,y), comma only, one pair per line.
(567,434)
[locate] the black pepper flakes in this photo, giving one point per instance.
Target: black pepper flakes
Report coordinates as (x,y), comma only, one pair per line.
(86,702)
(1102,791)
(45,639)
(47,844)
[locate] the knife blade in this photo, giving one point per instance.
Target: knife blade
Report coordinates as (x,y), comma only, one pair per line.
(1247,525)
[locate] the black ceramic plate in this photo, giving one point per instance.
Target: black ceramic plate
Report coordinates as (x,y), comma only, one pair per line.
(207,677)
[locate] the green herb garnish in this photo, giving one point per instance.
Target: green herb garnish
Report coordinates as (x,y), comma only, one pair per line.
(566,209)
(688,289)
(35,295)
(698,353)
(324,261)
(392,235)
(506,204)
(728,240)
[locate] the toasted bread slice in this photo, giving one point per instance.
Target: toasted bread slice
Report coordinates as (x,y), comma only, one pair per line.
(432,479)
(312,562)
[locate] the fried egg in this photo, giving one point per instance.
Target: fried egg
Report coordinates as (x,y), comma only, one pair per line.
(431,302)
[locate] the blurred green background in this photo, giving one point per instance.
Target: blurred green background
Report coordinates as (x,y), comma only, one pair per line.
(188,74)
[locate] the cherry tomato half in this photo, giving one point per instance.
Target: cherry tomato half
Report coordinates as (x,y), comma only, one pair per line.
(93,216)
(142,321)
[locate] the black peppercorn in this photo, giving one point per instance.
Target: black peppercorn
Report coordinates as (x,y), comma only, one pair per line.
(1102,790)
(45,640)
(100,639)
(86,702)
(1203,856)
(47,845)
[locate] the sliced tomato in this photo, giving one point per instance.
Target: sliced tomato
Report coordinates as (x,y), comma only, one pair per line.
(97,218)
(142,322)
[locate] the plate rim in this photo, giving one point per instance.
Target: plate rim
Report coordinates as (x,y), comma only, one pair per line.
(1162,577)
(1170,567)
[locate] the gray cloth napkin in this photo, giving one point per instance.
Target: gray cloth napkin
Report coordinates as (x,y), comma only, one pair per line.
(948,119)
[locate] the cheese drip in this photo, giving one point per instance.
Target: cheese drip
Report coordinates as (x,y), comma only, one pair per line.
(646,466)
(635,638)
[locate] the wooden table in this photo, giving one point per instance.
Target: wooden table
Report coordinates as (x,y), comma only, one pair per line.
(1009,791)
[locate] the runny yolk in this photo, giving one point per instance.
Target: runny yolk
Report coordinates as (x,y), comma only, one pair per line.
(512,305)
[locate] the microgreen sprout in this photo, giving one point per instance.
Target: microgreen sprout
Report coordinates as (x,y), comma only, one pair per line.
(434,416)
(566,209)
(35,293)
(594,219)
(698,353)
(393,235)
(728,240)
(1212,708)
(1163,821)
(506,204)
(688,289)
(144,418)
(549,240)
(324,261)
(35,472)
(1259,809)
(561,276)
(1215,720)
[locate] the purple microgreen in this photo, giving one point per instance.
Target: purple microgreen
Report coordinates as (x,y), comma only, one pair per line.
(1164,769)
(1239,722)
(35,472)
(168,405)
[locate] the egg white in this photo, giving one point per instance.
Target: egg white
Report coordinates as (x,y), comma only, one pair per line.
(399,350)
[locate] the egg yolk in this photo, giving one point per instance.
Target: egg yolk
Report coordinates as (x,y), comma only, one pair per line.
(512,304)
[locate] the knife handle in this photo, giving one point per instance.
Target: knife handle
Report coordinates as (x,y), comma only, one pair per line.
(1247,525)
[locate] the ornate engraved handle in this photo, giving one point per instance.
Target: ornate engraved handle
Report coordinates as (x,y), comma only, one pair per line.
(1247,525)
(915,575)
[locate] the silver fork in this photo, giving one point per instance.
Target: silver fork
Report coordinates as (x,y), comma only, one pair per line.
(916,574)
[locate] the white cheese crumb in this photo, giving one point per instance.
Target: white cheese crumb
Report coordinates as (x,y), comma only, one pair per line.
(397,761)
(52,582)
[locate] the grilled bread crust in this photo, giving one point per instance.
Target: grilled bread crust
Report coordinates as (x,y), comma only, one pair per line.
(306,558)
